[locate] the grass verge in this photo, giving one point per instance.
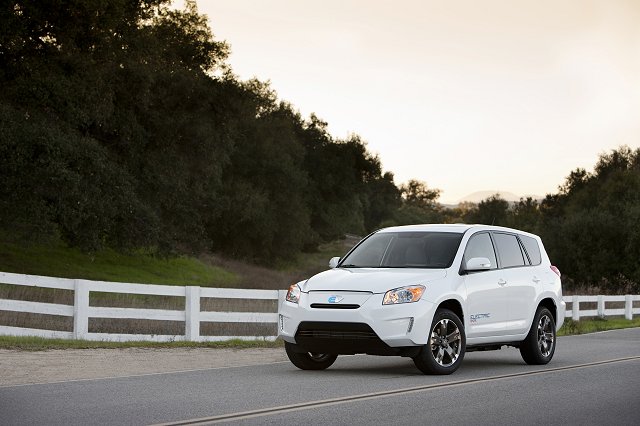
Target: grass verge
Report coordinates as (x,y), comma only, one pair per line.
(108,265)
(54,258)
(570,327)
(41,344)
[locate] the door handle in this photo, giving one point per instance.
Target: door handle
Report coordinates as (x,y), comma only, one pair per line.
(535,279)
(502,281)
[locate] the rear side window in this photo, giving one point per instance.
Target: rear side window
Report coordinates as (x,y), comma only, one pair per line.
(480,245)
(509,250)
(532,248)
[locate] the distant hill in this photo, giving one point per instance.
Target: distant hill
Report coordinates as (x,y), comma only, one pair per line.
(478,196)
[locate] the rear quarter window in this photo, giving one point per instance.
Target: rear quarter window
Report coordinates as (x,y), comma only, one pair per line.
(532,248)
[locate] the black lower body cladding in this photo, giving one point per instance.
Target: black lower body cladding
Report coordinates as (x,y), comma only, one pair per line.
(344,338)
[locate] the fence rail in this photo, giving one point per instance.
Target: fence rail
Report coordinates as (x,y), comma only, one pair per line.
(192,316)
(601,310)
(81,311)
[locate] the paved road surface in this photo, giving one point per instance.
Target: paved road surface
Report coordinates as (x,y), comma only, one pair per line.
(593,379)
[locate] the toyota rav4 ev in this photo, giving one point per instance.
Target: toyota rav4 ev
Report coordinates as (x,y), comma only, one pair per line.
(429,292)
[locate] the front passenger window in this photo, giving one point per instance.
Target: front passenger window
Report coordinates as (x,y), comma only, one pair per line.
(480,245)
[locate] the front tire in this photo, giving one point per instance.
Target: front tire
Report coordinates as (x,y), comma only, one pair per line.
(539,346)
(308,360)
(447,344)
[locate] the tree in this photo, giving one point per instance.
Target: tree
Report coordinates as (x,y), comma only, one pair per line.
(525,215)
(347,191)
(384,199)
(54,182)
(416,193)
(419,205)
(590,226)
(264,214)
(491,211)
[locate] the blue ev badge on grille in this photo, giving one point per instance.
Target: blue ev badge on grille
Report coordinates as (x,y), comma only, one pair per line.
(335,299)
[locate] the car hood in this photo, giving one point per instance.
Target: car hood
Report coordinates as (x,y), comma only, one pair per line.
(375,280)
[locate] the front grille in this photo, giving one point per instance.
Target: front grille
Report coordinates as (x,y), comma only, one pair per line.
(334,334)
(339,338)
(334,306)
(335,330)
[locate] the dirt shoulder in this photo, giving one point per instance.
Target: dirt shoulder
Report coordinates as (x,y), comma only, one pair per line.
(20,367)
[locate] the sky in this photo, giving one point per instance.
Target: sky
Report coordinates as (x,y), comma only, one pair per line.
(465,95)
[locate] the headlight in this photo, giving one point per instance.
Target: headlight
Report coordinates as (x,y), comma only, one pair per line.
(408,294)
(293,295)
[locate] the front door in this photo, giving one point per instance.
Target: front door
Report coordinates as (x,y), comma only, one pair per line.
(486,313)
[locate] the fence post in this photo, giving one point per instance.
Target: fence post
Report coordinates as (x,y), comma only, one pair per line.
(281,295)
(600,306)
(575,308)
(628,306)
(192,313)
(80,310)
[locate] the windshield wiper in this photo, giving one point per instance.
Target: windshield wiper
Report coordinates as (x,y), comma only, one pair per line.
(349,265)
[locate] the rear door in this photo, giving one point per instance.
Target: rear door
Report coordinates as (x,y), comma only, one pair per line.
(518,280)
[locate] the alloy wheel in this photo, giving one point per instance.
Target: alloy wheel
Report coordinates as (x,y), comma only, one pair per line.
(445,342)
(319,357)
(546,338)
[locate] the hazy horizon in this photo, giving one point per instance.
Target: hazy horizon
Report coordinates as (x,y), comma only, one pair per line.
(464,95)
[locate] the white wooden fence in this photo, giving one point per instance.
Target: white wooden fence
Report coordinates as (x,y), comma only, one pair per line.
(192,316)
(601,310)
(81,311)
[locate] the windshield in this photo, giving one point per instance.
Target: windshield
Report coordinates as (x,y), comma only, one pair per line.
(405,250)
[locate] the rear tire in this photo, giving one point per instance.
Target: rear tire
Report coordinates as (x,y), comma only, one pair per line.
(539,346)
(445,350)
(308,360)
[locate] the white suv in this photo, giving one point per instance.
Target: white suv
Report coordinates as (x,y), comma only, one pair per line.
(429,292)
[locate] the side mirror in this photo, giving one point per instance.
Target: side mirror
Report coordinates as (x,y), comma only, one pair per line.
(478,264)
(334,262)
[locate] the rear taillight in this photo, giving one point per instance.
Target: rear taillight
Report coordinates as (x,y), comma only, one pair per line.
(556,270)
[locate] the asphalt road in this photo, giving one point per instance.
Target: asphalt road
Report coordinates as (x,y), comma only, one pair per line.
(593,379)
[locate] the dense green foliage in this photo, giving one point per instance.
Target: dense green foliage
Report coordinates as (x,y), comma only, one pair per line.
(593,223)
(123,127)
(591,227)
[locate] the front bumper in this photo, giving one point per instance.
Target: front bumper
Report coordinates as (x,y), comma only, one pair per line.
(401,325)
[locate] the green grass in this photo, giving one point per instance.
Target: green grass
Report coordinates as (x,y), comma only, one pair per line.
(570,327)
(41,344)
(108,265)
(53,258)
